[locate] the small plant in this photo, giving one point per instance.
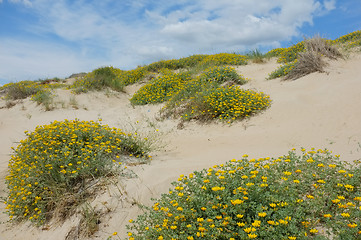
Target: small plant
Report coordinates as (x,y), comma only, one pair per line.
(44,97)
(311,195)
(90,220)
(57,167)
(73,102)
(222,74)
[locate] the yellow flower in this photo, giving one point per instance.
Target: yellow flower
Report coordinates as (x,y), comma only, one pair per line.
(262,214)
(313,230)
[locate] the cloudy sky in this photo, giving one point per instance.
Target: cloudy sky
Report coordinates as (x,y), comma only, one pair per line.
(44,38)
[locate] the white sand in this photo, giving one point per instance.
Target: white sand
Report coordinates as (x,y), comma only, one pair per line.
(321,110)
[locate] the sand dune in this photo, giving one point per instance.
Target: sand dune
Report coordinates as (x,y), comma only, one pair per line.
(321,110)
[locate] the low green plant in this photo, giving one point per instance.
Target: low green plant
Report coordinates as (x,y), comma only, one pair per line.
(312,195)
(222,74)
(99,79)
(57,166)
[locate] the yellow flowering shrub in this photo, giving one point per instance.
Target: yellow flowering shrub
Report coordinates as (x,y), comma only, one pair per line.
(352,39)
(161,88)
(266,198)
(56,163)
(224,103)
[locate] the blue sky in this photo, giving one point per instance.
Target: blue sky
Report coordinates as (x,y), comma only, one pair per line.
(43,38)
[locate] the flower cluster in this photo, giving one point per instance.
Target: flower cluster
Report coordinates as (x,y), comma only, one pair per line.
(292,197)
(58,159)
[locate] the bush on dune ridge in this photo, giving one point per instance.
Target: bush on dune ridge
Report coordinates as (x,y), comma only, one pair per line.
(308,196)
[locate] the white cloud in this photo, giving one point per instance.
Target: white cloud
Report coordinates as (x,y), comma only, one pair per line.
(128,33)
(26,2)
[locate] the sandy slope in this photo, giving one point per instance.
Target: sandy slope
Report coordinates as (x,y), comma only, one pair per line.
(321,110)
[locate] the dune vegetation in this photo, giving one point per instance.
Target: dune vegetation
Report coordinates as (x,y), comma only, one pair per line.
(311,195)
(291,197)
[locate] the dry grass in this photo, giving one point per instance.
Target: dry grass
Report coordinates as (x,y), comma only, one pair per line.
(320,45)
(307,62)
(312,59)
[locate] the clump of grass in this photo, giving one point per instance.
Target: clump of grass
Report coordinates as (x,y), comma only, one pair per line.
(222,74)
(323,47)
(256,56)
(311,195)
(59,165)
(311,60)
(308,62)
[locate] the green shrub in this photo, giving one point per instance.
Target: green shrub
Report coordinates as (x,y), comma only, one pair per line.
(308,196)
(222,74)
(161,88)
(56,167)
(99,79)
